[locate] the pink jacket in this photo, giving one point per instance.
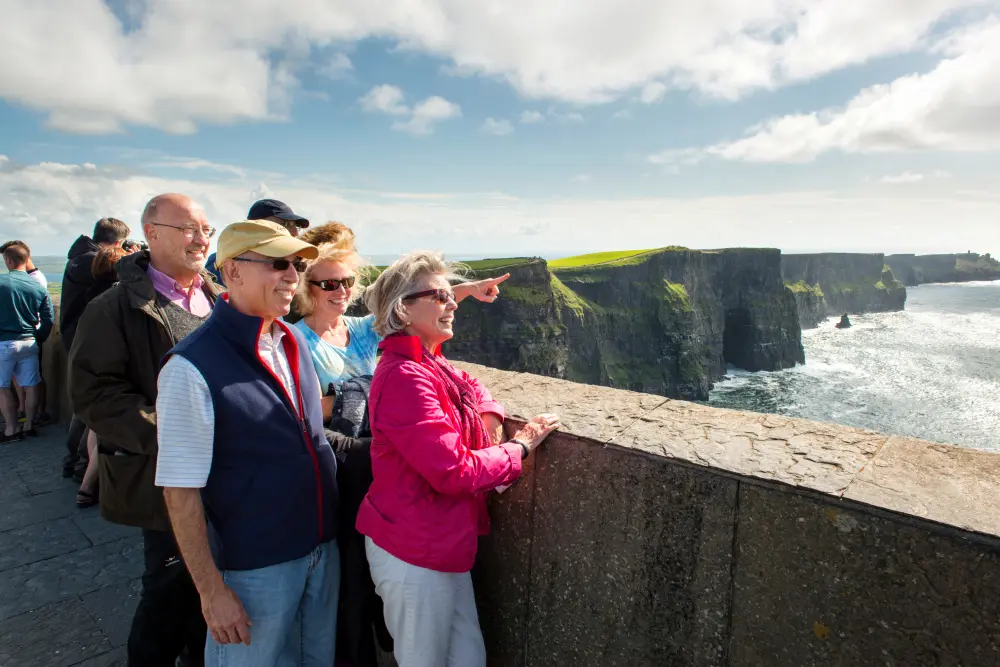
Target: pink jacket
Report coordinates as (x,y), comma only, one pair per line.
(427,503)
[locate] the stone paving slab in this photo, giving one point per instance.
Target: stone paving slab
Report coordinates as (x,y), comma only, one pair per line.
(112,607)
(73,574)
(68,579)
(55,635)
(116,658)
(36,509)
(99,531)
(40,541)
(39,479)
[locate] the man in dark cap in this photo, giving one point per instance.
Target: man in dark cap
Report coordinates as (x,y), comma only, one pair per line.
(266,209)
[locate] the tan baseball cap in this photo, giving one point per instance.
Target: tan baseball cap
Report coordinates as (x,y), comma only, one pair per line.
(261,236)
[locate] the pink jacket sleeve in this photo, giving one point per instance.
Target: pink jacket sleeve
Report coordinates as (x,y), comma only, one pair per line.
(409,415)
(486,402)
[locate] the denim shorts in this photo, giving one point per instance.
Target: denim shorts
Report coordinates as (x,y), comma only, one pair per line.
(19,359)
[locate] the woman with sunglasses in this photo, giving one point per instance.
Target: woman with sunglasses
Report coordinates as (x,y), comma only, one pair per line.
(345,347)
(434,456)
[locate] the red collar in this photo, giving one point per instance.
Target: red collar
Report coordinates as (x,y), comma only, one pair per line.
(408,346)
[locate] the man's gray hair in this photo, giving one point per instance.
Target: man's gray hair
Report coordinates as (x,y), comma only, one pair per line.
(384,297)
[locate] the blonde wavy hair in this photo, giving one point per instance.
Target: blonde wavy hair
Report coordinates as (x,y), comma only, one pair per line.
(335,241)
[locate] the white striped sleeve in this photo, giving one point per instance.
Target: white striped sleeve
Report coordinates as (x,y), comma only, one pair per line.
(185,426)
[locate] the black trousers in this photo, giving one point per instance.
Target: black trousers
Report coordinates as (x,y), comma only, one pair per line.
(77,431)
(168,620)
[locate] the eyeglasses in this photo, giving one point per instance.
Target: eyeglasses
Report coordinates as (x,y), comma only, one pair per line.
(442,296)
(276,264)
(334,284)
(190,232)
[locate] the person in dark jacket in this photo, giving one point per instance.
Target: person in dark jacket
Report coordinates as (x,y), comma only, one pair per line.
(163,294)
(77,279)
(105,276)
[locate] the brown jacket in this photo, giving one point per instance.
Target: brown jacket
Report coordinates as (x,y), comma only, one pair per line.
(113,364)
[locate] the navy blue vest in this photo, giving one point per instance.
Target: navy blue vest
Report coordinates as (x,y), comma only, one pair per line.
(271,496)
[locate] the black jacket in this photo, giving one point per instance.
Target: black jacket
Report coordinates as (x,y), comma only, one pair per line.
(77,279)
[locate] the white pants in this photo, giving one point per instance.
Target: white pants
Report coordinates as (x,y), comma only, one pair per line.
(431,615)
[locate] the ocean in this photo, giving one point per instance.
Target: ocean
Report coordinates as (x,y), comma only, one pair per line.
(930,372)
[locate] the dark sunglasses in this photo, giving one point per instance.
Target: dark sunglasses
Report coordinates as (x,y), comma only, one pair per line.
(276,264)
(334,284)
(442,296)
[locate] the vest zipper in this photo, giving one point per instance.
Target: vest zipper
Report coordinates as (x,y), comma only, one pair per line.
(300,414)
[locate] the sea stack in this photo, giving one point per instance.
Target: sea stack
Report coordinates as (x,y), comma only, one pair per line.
(844,323)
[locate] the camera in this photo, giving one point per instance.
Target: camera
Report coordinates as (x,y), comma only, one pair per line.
(128,244)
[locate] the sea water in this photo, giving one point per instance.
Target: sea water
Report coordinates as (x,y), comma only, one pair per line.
(930,372)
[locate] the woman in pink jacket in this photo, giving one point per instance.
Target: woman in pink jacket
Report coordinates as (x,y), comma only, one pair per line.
(435,454)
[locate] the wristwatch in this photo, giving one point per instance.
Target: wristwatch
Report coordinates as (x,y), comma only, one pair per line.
(525,450)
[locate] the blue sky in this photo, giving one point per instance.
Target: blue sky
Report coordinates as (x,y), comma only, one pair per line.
(801,124)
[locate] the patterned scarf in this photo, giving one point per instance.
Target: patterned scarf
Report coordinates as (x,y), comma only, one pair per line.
(463,397)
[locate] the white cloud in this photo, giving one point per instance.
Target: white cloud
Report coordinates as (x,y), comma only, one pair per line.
(953,107)
(531,117)
(385,99)
(567,117)
(175,64)
(197,163)
(49,204)
(622,114)
(388,99)
(337,67)
(652,92)
(423,117)
(905,177)
(582,178)
(497,127)
(911,177)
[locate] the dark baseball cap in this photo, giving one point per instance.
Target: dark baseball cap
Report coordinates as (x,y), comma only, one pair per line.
(266,208)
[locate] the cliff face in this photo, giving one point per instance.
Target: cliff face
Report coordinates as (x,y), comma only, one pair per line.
(663,322)
(828,284)
(920,269)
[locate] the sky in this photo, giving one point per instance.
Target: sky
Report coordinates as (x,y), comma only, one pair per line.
(513,128)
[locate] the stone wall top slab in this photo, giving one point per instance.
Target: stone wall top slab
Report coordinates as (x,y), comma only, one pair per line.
(947,484)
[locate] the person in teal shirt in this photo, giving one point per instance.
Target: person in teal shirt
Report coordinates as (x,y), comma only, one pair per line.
(342,346)
(26,320)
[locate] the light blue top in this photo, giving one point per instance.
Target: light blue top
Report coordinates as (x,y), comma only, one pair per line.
(336,364)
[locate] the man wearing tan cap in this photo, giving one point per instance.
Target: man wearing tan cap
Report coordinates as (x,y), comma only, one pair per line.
(163,294)
(248,476)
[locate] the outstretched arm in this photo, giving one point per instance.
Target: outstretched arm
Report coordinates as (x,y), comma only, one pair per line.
(481,290)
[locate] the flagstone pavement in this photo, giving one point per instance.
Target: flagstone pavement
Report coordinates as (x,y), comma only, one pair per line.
(69,580)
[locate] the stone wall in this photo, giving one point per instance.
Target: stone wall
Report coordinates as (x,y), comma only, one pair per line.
(660,532)
(54,362)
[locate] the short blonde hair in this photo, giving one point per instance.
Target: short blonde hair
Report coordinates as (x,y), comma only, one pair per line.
(342,251)
(384,297)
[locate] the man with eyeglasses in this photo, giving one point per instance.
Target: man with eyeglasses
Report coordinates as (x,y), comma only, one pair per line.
(271,210)
(162,296)
(249,477)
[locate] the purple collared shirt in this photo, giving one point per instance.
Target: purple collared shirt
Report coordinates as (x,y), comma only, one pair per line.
(192,300)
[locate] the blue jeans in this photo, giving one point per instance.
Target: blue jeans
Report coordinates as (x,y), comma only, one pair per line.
(293,608)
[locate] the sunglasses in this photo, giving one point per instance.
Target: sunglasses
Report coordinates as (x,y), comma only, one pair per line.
(276,264)
(442,296)
(334,284)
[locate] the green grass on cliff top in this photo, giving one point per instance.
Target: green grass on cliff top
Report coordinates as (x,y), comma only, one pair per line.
(500,263)
(596,258)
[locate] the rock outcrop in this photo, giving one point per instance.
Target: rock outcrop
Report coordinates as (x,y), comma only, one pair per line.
(828,284)
(665,321)
(921,269)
